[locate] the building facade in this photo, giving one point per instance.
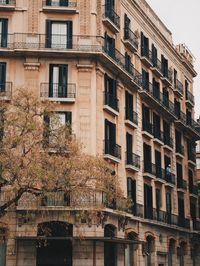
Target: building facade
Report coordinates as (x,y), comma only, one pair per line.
(127,92)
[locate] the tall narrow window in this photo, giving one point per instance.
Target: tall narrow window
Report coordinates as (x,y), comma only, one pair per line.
(156,126)
(126,27)
(3,32)
(129,147)
(110,138)
(58,34)
(148,202)
(164,65)
(111,92)
(168,207)
(156,89)
(128,64)
(181,210)
(158,164)
(2,77)
(58,76)
(110,249)
(154,55)
(147,158)
(129,106)
(144,45)
(131,193)
(145,79)
(109,45)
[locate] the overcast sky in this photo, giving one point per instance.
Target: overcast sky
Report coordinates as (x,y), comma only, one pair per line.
(182,18)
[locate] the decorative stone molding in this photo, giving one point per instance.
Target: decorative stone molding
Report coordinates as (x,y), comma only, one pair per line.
(32,66)
(84,68)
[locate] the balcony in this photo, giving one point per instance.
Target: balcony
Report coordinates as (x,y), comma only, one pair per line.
(159,101)
(181,184)
(187,123)
(130,40)
(167,78)
(147,129)
(111,19)
(170,179)
(193,189)
(7,5)
(146,57)
(189,99)
(192,157)
(132,162)
(111,103)
(180,151)
(131,118)
(168,142)
(178,88)
(6,91)
(149,170)
(112,151)
(57,92)
(59,6)
(183,222)
(158,135)
(157,67)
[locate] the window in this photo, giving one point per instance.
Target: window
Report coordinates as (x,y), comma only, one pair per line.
(168,207)
(128,64)
(144,45)
(129,106)
(2,77)
(127,23)
(58,77)
(146,119)
(166,97)
(154,55)
(175,77)
(111,92)
(181,210)
(110,5)
(164,66)
(147,158)
(131,193)
(156,89)
(156,126)
(178,138)
(167,132)
(109,45)
(129,147)
(158,164)
(57,2)
(145,79)
(110,139)
(158,202)
(51,124)
(148,202)
(3,32)
(177,108)
(58,34)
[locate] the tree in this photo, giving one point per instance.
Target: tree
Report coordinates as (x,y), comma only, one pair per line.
(40,156)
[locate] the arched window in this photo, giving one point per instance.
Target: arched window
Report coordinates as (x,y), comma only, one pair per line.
(149,252)
(55,249)
(110,248)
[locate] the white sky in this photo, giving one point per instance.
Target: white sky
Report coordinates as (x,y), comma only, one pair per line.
(182,18)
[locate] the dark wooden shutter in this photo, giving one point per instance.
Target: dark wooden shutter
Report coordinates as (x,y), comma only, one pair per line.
(158,203)
(126,26)
(154,55)
(129,144)
(2,77)
(142,43)
(48,33)
(168,203)
(63,78)
(51,85)
(4,34)
(158,164)
(69,34)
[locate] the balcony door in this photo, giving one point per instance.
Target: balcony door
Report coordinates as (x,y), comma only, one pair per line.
(110,137)
(109,45)
(58,76)
(2,76)
(168,207)
(144,45)
(131,193)
(129,147)
(3,32)
(158,164)
(147,158)
(110,92)
(156,89)
(181,211)
(156,126)
(148,202)
(59,34)
(129,106)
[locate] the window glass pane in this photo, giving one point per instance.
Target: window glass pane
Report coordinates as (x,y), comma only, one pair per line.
(59,35)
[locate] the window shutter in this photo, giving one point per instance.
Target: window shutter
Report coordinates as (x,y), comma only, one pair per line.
(129,187)
(142,43)
(68,118)
(129,144)
(2,77)
(63,76)
(64,3)
(51,85)
(4,36)
(48,33)
(168,202)
(158,203)
(69,34)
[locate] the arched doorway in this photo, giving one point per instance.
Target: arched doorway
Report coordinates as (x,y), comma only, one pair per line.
(110,249)
(150,248)
(171,252)
(130,251)
(54,249)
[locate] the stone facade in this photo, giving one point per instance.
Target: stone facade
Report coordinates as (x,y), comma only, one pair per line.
(82,33)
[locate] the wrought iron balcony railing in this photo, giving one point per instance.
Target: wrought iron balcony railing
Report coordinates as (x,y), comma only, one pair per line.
(157,133)
(111,15)
(111,148)
(178,86)
(56,90)
(111,101)
(133,159)
(181,183)
(167,140)
(145,52)
(157,64)
(190,97)
(149,168)
(192,156)
(147,126)
(193,189)
(6,90)
(180,149)
(60,3)
(167,74)
(131,116)
(130,36)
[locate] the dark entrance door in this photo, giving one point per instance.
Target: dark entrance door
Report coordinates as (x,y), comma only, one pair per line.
(55,249)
